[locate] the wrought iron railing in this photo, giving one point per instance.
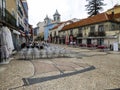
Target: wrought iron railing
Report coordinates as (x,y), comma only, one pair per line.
(101,33)
(21,27)
(20,11)
(96,34)
(92,34)
(80,35)
(0,14)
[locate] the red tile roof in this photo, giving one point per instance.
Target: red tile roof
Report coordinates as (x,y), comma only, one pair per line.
(91,20)
(55,27)
(115,16)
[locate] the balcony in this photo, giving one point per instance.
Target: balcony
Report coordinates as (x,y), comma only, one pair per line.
(7,18)
(92,34)
(101,33)
(96,34)
(21,27)
(80,35)
(0,14)
(20,11)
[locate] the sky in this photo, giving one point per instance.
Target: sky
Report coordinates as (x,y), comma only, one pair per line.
(68,9)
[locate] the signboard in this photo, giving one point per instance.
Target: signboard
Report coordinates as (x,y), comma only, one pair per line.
(115,46)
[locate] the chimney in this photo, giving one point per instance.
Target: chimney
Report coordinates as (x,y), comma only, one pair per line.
(112,15)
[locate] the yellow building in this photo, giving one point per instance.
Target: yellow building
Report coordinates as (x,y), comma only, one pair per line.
(11,7)
(116,13)
(115,9)
(101,29)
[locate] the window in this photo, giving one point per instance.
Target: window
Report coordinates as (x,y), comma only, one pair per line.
(55,33)
(58,18)
(100,28)
(4,6)
(84,27)
(71,32)
(0,3)
(45,22)
(106,27)
(13,13)
(54,18)
(80,30)
(112,27)
(92,29)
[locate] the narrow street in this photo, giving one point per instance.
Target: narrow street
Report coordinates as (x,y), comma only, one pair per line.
(95,70)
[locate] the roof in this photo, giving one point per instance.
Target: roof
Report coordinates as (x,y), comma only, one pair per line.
(91,20)
(46,17)
(116,6)
(56,13)
(56,26)
(116,16)
(61,24)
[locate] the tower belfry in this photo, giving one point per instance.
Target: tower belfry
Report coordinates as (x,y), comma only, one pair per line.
(46,19)
(56,16)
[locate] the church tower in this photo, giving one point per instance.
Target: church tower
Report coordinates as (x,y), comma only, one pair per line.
(46,20)
(56,17)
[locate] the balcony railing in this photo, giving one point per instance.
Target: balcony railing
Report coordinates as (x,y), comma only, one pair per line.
(80,35)
(101,33)
(92,34)
(96,34)
(0,14)
(7,18)
(21,27)
(20,11)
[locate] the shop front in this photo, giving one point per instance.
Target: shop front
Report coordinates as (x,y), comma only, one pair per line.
(6,44)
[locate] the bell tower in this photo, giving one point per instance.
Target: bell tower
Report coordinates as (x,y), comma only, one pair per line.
(46,20)
(56,17)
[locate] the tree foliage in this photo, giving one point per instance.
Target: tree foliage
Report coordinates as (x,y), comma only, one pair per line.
(94,6)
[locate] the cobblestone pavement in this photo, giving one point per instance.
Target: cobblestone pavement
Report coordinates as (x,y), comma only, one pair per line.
(96,70)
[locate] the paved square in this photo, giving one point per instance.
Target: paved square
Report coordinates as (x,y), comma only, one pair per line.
(93,71)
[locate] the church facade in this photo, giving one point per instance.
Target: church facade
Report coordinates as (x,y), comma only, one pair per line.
(49,24)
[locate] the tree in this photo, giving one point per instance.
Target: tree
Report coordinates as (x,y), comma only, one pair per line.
(94,6)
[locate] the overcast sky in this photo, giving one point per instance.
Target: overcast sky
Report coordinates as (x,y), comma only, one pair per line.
(68,9)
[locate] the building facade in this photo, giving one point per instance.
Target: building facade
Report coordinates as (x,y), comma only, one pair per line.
(41,25)
(14,15)
(49,23)
(54,36)
(102,29)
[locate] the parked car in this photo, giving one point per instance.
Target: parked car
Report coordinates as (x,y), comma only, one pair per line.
(91,45)
(101,47)
(83,45)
